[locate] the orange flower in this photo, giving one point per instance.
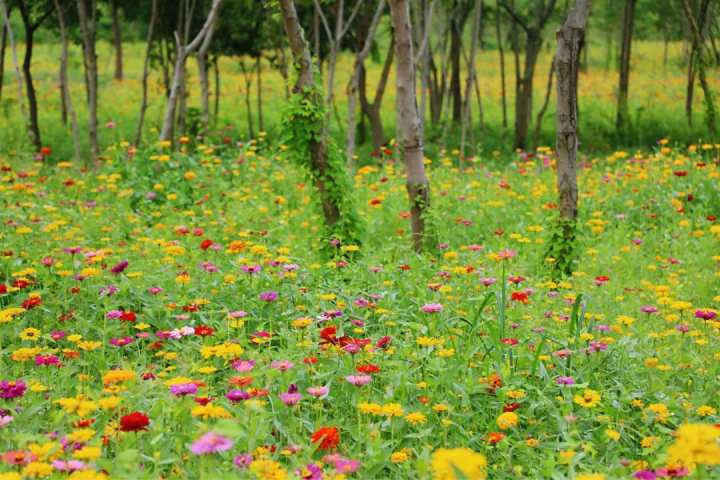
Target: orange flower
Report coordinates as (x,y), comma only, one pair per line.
(327,438)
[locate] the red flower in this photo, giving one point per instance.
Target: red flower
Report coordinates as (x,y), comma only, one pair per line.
(310,360)
(203,331)
(521,297)
(495,437)
(510,341)
(370,368)
(31,303)
(128,316)
(327,438)
(511,407)
(327,335)
(680,173)
(207,243)
(134,422)
(3,288)
(45,151)
(383,342)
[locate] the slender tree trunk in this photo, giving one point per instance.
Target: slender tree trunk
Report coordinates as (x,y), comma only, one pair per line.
(701,58)
(30,89)
(146,71)
(3,46)
(64,87)
(16,65)
(372,110)
(455,88)
(248,103)
(353,86)
(425,59)
(524,99)
(418,186)
(204,78)
(622,119)
(471,79)
(666,44)
(304,85)
(181,54)
(546,102)
(570,38)
(117,39)
(258,73)
(501,51)
(690,88)
(216,68)
(87,14)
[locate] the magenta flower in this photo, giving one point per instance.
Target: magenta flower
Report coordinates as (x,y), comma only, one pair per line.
(291,397)
(268,296)
(47,360)
(120,267)
(10,389)
(432,308)
(705,314)
(565,381)
(243,461)
(182,389)
(310,472)
(649,309)
(243,365)
(251,269)
(345,466)
(237,396)
(211,443)
(358,380)
(154,290)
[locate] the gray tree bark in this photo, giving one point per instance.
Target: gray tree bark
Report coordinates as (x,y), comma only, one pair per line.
(87,18)
(181,54)
(622,118)
(417,184)
(570,38)
(64,87)
(146,71)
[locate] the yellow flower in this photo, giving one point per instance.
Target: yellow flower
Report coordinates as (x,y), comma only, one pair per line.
(507,420)
(393,410)
(370,408)
(706,410)
(82,435)
(209,411)
(88,453)
(589,398)
(109,403)
(10,476)
(399,457)
(590,476)
(87,475)
(695,444)
(613,435)
(566,456)
(118,376)
(268,470)
(415,418)
(448,462)
(31,334)
(37,470)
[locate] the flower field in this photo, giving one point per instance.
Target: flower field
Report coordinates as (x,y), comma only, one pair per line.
(172,315)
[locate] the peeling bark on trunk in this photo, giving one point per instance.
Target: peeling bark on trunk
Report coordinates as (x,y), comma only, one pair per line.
(64,87)
(146,71)
(418,186)
(117,39)
(570,38)
(622,119)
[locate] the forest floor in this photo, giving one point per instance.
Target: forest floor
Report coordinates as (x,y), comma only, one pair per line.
(169,314)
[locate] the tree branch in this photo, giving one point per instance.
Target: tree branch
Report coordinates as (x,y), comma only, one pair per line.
(353,14)
(516,18)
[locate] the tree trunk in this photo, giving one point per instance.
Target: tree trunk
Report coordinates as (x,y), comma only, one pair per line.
(16,65)
(87,19)
(216,68)
(117,40)
(204,78)
(64,87)
(690,88)
(372,110)
(30,87)
(258,73)
(248,103)
(3,46)
(466,118)
(701,59)
(524,99)
(543,109)
(353,86)
(622,119)
(181,54)
(501,51)
(146,71)
(455,89)
(305,86)
(570,38)
(418,186)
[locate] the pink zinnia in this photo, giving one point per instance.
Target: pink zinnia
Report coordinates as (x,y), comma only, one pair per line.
(432,308)
(358,380)
(211,443)
(318,392)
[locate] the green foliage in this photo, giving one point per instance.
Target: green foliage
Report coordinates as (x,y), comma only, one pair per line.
(303,126)
(561,254)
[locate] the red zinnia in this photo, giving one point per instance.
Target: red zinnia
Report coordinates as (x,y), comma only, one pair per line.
(521,297)
(204,330)
(369,368)
(134,422)
(327,438)
(207,243)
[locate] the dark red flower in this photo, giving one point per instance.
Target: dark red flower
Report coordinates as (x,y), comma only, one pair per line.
(369,368)
(207,243)
(204,331)
(128,316)
(680,173)
(383,342)
(327,438)
(134,422)
(511,407)
(31,303)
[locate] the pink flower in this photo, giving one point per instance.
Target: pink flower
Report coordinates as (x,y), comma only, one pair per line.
(282,365)
(243,365)
(318,392)
(432,308)
(506,254)
(211,443)
(358,380)
(487,281)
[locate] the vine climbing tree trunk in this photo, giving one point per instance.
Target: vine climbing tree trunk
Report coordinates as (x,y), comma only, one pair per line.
(570,38)
(417,184)
(307,126)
